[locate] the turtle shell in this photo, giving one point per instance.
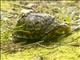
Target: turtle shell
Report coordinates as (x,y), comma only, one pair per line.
(34,27)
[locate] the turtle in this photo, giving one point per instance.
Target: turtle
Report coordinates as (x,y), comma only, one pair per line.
(34,26)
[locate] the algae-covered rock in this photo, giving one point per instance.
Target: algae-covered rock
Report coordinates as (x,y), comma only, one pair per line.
(33,27)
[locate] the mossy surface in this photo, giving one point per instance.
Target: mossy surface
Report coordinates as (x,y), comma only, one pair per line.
(62,52)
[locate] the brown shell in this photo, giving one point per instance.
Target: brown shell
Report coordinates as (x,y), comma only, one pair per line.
(35,26)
